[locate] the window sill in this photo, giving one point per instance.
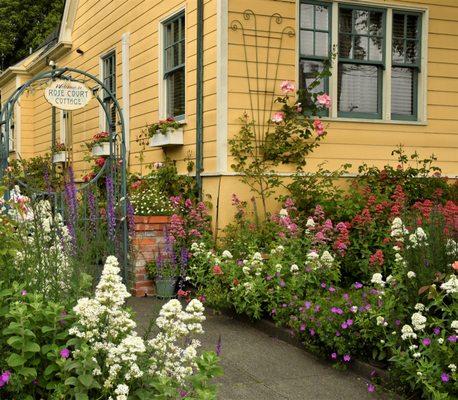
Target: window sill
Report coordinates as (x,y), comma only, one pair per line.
(375,121)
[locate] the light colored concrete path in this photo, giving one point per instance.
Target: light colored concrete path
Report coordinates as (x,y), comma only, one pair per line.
(259,367)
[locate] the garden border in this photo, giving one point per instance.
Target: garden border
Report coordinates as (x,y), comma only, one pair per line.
(360,368)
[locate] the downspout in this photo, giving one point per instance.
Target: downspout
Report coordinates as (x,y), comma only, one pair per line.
(199,96)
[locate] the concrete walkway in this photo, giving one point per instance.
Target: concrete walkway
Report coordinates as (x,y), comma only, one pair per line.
(257,366)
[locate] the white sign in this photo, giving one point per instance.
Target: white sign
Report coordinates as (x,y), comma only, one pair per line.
(68,95)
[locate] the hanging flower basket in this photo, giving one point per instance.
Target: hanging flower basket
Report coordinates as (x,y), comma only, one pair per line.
(60,157)
(101,149)
(172,137)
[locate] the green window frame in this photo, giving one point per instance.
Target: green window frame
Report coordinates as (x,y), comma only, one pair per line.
(402,62)
(312,57)
(174,65)
(351,59)
(109,80)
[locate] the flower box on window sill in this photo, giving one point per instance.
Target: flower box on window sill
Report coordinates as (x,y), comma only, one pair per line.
(101,149)
(60,157)
(173,137)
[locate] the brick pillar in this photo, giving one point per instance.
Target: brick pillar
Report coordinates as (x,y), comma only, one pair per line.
(147,240)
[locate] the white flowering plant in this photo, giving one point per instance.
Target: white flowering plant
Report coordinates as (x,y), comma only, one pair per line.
(110,361)
(147,198)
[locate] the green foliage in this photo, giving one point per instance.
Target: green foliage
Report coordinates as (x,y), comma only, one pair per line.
(25,24)
(35,330)
(163,126)
(255,170)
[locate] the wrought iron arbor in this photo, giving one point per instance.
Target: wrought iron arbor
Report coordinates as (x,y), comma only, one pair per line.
(115,165)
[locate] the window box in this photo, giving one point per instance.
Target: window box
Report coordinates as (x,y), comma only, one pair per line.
(101,149)
(173,137)
(60,157)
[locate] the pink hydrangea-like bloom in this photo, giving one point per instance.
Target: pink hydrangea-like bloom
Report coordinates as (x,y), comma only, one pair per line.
(319,127)
(278,117)
(324,100)
(287,87)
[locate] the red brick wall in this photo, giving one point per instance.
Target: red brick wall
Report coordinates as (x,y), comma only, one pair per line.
(147,240)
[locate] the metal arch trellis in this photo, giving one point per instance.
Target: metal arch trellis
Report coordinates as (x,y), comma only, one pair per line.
(262,89)
(7,116)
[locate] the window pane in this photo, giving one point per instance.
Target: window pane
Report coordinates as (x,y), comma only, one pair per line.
(307,16)
(398,25)
(376,23)
(321,18)
(412,26)
(345,46)
(411,51)
(308,71)
(176,93)
(321,44)
(398,50)
(345,20)
(358,88)
(361,21)
(307,42)
(402,91)
(360,47)
(169,56)
(375,48)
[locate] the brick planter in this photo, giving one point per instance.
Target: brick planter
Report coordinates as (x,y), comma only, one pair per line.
(147,240)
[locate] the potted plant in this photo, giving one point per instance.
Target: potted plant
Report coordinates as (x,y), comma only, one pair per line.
(168,132)
(164,271)
(60,154)
(100,144)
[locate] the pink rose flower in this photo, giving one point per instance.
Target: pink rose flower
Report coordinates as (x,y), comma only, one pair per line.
(324,100)
(318,125)
(278,117)
(287,87)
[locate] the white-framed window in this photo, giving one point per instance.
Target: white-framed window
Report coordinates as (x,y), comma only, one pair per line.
(379,72)
(108,77)
(173,66)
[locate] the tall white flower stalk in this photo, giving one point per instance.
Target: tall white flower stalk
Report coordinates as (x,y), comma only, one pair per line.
(110,331)
(173,352)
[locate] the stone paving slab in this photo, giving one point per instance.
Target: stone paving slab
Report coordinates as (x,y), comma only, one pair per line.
(259,367)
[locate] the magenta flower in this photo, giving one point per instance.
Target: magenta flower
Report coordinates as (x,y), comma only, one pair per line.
(349,322)
(397,322)
(334,356)
(336,310)
(302,328)
(183,393)
(24,293)
(307,304)
(346,358)
(358,285)
(346,296)
(344,325)
(323,285)
(452,339)
(282,283)
(445,377)
(426,341)
(437,330)
(4,378)
(371,388)
(312,332)
(65,353)
(332,289)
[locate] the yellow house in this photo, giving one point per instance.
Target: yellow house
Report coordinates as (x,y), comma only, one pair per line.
(205,62)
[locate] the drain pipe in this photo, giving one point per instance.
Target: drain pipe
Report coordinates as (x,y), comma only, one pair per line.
(199,96)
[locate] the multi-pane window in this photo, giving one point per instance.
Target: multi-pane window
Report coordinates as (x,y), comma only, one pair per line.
(378,52)
(315,41)
(109,80)
(361,59)
(405,65)
(174,65)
